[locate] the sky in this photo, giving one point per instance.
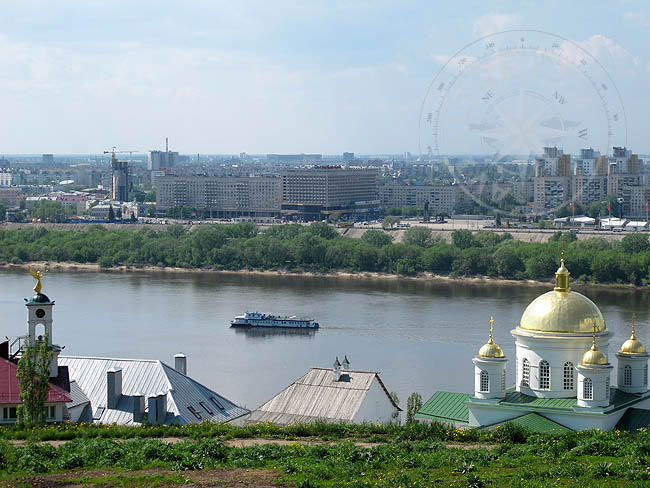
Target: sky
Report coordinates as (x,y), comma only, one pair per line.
(224,77)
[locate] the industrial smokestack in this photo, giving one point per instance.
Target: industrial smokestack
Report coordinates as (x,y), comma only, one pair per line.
(166,144)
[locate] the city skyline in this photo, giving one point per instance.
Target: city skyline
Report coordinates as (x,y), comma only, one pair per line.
(256,77)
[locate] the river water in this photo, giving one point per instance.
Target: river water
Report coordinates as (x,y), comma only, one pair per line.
(421,336)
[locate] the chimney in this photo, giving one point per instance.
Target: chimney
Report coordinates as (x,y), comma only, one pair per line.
(337,370)
(153,409)
(161,406)
(180,363)
(113,387)
(138,407)
(346,364)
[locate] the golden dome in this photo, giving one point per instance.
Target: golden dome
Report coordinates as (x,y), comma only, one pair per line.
(593,356)
(633,345)
(490,350)
(562,310)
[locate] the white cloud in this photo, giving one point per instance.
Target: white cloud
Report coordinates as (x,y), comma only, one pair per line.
(614,57)
(637,18)
(493,22)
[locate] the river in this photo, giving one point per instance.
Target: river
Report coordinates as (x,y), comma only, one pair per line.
(420,335)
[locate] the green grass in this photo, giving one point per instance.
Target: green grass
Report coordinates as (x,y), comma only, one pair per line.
(514,458)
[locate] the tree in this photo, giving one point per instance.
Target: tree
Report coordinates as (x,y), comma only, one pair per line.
(463,239)
(418,236)
(389,222)
(413,405)
(335,216)
(634,243)
(151,211)
(49,210)
(111,213)
(34,380)
(497,220)
(376,238)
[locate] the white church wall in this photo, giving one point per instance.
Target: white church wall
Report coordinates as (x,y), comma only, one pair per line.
(556,350)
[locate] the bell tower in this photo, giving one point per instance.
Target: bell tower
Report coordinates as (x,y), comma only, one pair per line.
(39,321)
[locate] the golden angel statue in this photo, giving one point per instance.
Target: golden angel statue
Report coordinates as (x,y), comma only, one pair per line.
(37,276)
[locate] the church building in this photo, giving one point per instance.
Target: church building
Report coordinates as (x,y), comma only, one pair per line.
(563,377)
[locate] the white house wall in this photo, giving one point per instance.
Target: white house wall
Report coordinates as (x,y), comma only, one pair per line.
(376,407)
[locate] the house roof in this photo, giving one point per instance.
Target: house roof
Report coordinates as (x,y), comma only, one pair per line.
(538,423)
(148,377)
(317,396)
(10,389)
(445,406)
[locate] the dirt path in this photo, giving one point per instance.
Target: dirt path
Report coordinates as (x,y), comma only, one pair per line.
(262,442)
(251,478)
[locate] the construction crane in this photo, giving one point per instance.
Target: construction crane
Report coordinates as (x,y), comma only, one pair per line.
(113,152)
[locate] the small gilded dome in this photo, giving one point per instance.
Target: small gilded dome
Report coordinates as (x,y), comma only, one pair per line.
(593,357)
(562,310)
(490,350)
(633,345)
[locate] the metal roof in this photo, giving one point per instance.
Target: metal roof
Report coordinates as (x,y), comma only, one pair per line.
(77,395)
(538,423)
(633,419)
(445,406)
(148,377)
(317,396)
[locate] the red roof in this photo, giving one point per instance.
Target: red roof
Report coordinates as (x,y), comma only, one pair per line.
(10,391)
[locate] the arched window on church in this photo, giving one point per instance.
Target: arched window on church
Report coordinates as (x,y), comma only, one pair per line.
(544,376)
(568,375)
(525,373)
(627,375)
(587,389)
(485,381)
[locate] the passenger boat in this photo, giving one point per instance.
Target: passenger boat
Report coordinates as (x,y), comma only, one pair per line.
(256,319)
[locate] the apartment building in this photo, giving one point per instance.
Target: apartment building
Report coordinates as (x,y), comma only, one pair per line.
(227,196)
(441,198)
(313,193)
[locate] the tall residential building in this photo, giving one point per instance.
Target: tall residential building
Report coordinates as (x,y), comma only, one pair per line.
(587,189)
(314,193)
(120,180)
(161,160)
(222,196)
(440,197)
(586,164)
(553,163)
(48,159)
(551,192)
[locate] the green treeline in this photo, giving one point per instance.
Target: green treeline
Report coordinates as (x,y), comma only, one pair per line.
(318,247)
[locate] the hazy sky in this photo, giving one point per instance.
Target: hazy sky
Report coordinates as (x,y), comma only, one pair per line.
(269,76)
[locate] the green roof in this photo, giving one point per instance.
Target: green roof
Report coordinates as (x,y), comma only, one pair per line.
(516,398)
(445,406)
(618,398)
(537,423)
(633,419)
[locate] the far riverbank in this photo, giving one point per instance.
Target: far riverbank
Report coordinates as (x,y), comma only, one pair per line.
(347,275)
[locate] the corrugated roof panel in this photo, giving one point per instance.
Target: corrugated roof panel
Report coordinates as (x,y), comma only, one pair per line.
(149,377)
(316,395)
(447,405)
(633,419)
(539,423)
